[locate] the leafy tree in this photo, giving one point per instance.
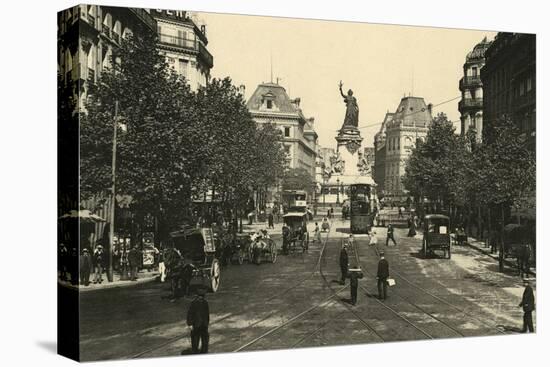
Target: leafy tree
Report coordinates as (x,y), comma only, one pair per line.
(297,179)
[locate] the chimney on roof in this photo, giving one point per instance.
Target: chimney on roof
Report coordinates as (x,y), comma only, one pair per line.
(242,89)
(430,106)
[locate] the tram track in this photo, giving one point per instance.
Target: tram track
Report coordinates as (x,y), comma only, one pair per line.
(414,305)
(441,300)
(177,338)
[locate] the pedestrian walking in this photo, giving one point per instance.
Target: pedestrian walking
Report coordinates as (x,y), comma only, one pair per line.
(198,318)
(412,228)
(382,275)
(390,235)
(523,260)
(162,266)
(85,267)
(328,214)
(250,217)
(62,261)
(400,213)
(331,212)
(528,304)
(270,220)
(344,263)
(354,276)
(98,261)
(317,233)
(134,260)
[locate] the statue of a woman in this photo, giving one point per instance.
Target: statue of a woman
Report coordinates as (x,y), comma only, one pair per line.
(352,109)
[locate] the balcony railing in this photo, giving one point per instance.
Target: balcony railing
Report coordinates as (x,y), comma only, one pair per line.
(206,56)
(471,80)
(178,41)
(470,103)
(91,75)
(106,30)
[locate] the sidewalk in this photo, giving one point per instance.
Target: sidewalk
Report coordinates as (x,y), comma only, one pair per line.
(486,250)
(144,276)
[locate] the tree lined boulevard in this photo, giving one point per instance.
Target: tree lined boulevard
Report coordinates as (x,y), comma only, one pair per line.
(298,302)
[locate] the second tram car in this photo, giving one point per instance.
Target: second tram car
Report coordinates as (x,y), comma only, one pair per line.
(362,207)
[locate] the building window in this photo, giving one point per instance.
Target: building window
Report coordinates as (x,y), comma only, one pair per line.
(183,67)
(269,104)
(287,131)
(474,71)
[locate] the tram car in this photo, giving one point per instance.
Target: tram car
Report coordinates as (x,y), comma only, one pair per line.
(362,205)
(198,264)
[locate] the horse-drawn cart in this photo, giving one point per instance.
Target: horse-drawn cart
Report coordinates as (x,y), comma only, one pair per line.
(262,247)
(515,245)
(295,234)
(198,264)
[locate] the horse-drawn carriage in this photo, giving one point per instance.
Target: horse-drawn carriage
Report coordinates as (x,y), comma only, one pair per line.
(295,234)
(192,260)
(437,235)
(262,247)
(516,244)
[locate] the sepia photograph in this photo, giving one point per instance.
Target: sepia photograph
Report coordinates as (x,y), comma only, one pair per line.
(234,183)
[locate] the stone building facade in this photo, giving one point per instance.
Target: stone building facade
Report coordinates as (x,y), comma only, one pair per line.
(509,80)
(471,89)
(184,45)
(271,104)
(409,123)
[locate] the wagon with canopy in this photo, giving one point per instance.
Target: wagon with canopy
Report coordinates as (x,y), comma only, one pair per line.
(296,235)
(198,264)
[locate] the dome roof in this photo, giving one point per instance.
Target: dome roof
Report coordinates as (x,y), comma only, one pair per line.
(479,50)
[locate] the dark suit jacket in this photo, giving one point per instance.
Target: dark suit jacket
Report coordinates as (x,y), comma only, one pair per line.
(528,299)
(199,313)
(383,269)
(343,258)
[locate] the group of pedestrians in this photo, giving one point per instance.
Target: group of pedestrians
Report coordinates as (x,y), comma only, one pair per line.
(92,263)
(382,274)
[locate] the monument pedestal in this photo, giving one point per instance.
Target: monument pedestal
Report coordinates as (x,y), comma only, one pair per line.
(349,144)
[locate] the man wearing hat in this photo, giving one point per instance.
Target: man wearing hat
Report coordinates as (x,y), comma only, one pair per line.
(344,263)
(134,260)
(354,276)
(98,262)
(198,318)
(528,304)
(382,276)
(85,267)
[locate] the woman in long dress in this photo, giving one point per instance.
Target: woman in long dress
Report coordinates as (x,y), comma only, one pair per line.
(352,109)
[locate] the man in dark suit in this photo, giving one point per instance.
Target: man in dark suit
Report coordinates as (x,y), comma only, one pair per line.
(198,318)
(354,276)
(390,235)
(344,261)
(528,304)
(382,276)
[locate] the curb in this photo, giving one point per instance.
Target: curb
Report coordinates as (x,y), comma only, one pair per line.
(112,285)
(495,257)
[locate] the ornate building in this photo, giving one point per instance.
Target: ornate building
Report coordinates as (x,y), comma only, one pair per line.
(183,44)
(87,36)
(380,155)
(471,88)
(509,80)
(407,125)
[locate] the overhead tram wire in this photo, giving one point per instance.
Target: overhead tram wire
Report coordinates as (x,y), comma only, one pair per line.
(410,113)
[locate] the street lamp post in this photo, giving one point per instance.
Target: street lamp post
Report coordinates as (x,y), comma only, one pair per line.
(337,191)
(113,197)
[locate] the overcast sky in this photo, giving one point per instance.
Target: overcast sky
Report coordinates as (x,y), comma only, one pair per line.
(380,63)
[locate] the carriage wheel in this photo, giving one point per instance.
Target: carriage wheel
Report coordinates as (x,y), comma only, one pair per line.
(214,276)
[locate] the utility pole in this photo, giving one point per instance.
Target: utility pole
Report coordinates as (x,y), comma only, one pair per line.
(113,196)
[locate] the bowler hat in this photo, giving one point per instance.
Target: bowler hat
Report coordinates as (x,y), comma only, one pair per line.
(201,290)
